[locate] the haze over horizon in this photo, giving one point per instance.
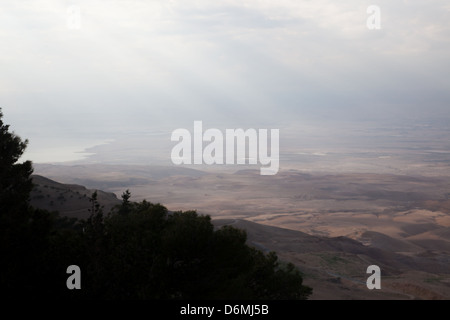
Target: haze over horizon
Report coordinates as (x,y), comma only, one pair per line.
(79,74)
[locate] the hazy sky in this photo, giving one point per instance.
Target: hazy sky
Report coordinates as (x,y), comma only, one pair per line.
(74,73)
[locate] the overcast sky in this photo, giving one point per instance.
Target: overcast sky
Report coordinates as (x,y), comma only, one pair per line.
(91,69)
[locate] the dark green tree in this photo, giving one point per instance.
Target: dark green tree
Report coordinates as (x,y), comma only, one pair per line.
(95,223)
(125,206)
(23,231)
(153,254)
(15,178)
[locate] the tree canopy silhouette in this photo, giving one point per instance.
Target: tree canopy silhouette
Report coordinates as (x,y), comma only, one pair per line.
(23,230)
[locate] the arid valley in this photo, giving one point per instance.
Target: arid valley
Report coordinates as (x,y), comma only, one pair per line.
(331,225)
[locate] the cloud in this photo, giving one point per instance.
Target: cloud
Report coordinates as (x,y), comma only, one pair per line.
(232,61)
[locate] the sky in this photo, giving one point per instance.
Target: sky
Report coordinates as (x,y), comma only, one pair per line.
(75,74)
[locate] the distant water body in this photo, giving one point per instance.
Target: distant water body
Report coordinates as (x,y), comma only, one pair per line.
(57,151)
(403,149)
